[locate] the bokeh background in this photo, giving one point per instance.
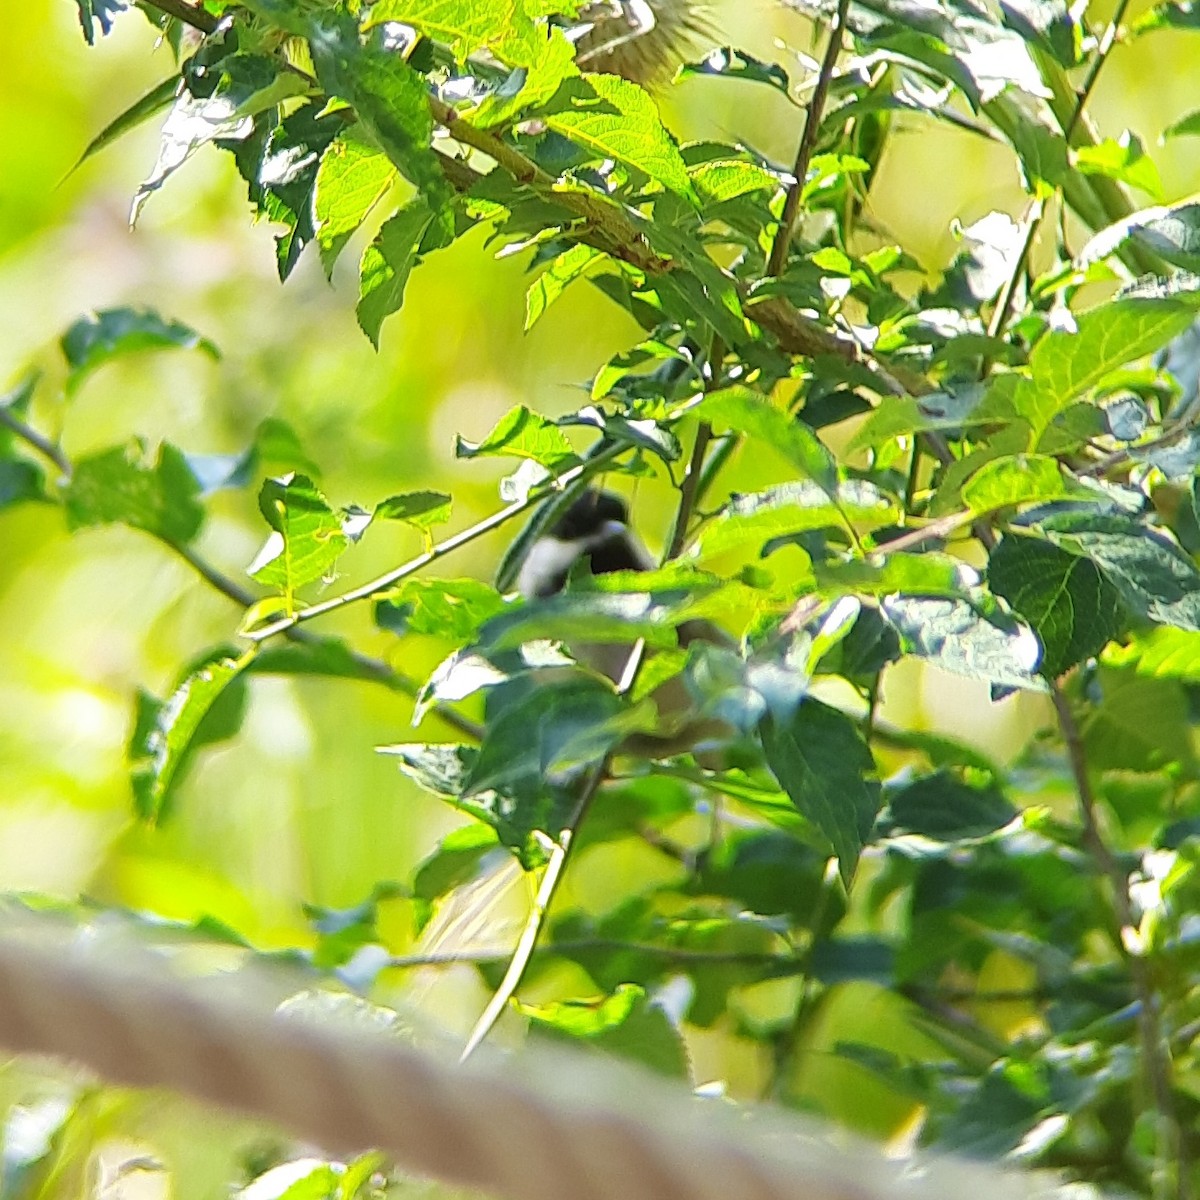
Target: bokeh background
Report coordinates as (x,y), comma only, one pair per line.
(299,808)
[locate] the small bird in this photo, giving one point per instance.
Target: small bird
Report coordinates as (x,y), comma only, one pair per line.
(595,529)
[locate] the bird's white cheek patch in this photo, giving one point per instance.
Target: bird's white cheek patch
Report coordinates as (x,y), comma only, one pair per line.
(549,558)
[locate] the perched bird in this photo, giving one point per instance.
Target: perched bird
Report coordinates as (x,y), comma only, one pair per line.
(643,40)
(595,529)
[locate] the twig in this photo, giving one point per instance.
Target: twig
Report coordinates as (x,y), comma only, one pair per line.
(1171,1175)
(389,578)
(1107,41)
(808,140)
(1004,301)
(40,443)
(189,14)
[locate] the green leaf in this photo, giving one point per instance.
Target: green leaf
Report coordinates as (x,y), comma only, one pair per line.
(449,608)
(1160,653)
(154,101)
(422,509)
(1051,24)
(720,180)
(957,637)
(353,176)
(1139,724)
(790,508)
(301,1179)
(102,336)
(604,617)
(556,278)
(945,807)
(1152,575)
(1065,599)
(511,34)
(1188,126)
(752,414)
(387,263)
(615,119)
(625,1024)
(900,415)
(307,537)
(523,433)
(822,762)
(324,656)
(455,861)
(1170,231)
(20,480)
(1020,479)
(123,485)
(927,574)
(562,724)
(516,814)
(1124,160)
(1064,365)
(280,166)
(166,734)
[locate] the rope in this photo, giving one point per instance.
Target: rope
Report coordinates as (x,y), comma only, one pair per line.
(542,1125)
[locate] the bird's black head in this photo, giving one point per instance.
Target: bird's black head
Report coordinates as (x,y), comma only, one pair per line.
(589,514)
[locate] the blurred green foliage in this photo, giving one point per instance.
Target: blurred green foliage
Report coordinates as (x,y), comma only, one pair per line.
(912,900)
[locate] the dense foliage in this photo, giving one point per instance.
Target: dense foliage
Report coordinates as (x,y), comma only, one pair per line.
(991,471)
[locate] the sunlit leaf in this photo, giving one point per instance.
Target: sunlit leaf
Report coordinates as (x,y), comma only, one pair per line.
(307,537)
(167,733)
(523,434)
(352,178)
(612,118)
(626,1024)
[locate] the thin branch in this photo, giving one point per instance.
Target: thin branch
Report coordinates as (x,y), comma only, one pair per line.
(1156,1061)
(189,14)
(43,445)
(808,141)
(1103,49)
(390,578)
(1004,301)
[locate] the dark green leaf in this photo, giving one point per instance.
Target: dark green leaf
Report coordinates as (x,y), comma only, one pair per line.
(98,12)
(564,723)
(947,808)
(121,484)
(1065,599)
(387,263)
(102,336)
(1152,575)
(1051,24)
(730,63)
(821,761)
